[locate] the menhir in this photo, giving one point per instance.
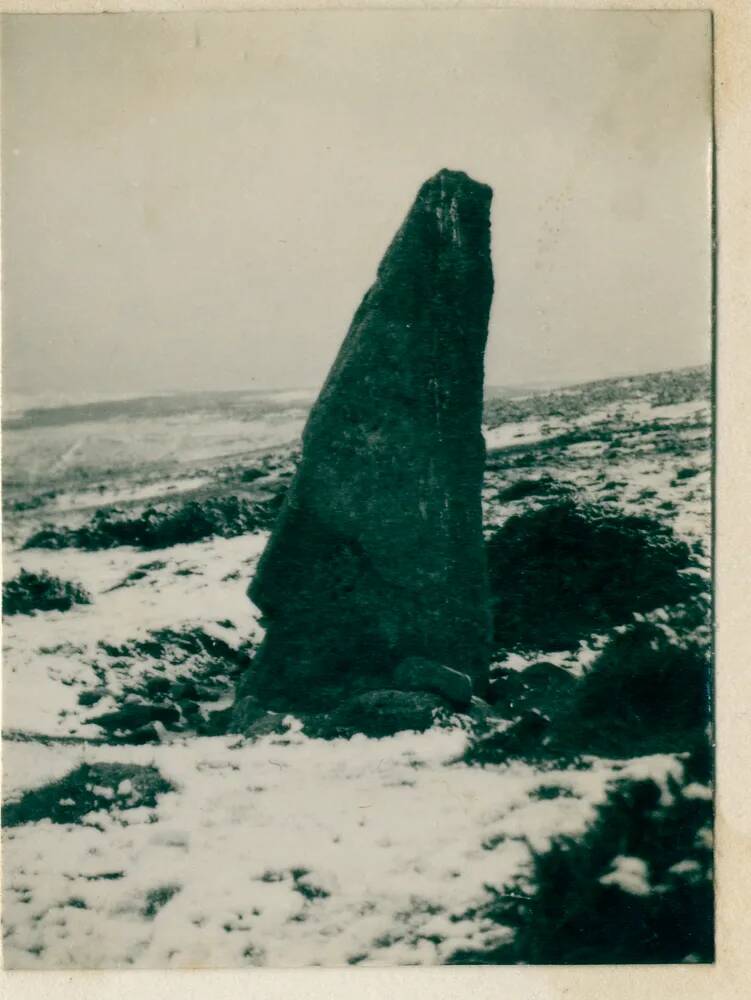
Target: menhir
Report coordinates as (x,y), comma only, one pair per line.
(377,555)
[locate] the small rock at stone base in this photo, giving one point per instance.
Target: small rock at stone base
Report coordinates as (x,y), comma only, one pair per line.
(419,674)
(383,713)
(244,713)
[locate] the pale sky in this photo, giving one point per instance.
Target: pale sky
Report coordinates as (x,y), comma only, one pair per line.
(199,201)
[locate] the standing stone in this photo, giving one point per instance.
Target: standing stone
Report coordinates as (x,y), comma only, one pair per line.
(378,554)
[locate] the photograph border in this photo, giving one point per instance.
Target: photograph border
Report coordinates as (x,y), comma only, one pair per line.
(731,228)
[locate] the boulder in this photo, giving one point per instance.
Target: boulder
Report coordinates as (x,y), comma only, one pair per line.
(245,713)
(417,674)
(542,684)
(377,554)
(547,678)
(269,724)
(383,713)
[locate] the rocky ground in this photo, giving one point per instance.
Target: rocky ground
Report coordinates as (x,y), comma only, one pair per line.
(566,819)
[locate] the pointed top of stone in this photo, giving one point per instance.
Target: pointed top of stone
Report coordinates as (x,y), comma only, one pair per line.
(448,179)
(441,248)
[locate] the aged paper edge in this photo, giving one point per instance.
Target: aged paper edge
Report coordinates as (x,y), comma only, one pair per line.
(727,978)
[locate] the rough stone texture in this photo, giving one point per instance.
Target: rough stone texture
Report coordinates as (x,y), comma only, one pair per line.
(543,684)
(383,713)
(417,674)
(246,713)
(378,554)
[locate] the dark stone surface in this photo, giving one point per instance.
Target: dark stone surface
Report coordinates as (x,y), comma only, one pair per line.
(383,713)
(246,712)
(269,724)
(417,674)
(377,554)
(542,685)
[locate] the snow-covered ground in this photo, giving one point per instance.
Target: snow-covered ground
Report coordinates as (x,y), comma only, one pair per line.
(51,656)
(287,851)
(281,850)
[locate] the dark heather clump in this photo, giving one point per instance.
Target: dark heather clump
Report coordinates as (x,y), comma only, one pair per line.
(181,647)
(158,898)
(206,669)
(573,908)
(378,554)
(380,713)
(644,694)
(161,527)
(88,788)
(559,573)
(30,592)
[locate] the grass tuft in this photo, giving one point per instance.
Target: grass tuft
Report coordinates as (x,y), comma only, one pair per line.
(87,789)
(30,592)
(580,903)
(161,527)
